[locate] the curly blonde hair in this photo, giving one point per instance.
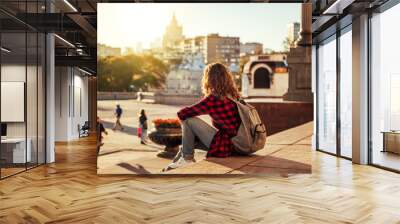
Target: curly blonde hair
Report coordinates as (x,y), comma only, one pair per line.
(217,80)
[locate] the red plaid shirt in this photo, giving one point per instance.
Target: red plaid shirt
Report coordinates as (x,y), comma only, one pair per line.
(225,117)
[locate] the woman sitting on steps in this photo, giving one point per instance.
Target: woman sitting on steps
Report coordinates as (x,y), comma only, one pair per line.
(218,89)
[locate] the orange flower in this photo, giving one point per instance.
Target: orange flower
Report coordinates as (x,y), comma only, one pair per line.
(167,123)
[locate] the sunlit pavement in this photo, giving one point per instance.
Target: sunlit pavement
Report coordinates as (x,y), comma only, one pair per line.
(286,152)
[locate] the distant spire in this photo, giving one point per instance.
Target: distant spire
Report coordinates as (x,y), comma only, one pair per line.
(174,21)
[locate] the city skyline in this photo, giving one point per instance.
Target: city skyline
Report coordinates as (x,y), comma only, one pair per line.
(240,20)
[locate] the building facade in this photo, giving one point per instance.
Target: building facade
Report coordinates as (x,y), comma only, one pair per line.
(173,35)
(194,46)
(264,77)
(293,30)
(104,50)
(185,79)
(251,48)
(213,48)
(223,49)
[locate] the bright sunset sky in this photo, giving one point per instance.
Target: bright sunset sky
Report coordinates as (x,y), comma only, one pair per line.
(126,24)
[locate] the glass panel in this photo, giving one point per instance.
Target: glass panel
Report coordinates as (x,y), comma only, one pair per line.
(385,84)
(41,98)
(31,98)
(13,77)
(327,96)
(23,82)
(14,6)
(32,87)
(346,94)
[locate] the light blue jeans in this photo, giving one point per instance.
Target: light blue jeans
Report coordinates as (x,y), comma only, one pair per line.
(143,137)
(192,128)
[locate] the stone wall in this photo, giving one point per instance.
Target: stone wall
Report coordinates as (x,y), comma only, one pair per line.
(276,114)
(150,97)
(116,95)
(176,99)
(279,116)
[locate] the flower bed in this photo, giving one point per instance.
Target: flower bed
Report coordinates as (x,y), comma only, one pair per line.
(167,123)
(167,132)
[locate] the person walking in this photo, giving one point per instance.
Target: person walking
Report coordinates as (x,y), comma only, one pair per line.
(100,130)
(143,126)
(118,114)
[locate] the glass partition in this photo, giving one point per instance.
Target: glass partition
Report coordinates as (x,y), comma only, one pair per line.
(326,128)
(385,89)
(41,97)
(13,93)
(22,108)
(345,58)
(31,98)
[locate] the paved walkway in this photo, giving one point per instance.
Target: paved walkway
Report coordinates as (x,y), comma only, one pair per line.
(286,152)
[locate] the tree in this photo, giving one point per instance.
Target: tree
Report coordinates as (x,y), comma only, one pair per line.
(119,73)
(242,62)
(287,44)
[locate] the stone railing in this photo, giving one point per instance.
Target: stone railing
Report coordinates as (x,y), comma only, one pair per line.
(276,114)
(279,116)
(171,99)
(116,95)
(150,97)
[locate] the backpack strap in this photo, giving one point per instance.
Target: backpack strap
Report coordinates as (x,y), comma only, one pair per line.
(239,100)
(233,99)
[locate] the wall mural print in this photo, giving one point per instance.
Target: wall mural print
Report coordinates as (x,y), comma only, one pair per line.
(184,90)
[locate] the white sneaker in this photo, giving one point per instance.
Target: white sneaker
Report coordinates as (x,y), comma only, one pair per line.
(181,162)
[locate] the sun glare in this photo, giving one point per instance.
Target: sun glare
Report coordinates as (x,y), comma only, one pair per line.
(126,25)
(143,25)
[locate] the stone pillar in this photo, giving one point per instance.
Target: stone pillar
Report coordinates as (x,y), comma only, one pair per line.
(50,92)
(245,85)
(50,98)
(299,61)
(63,101)
(305,38)
(360,90)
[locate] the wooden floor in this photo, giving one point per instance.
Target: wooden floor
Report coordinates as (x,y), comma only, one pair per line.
(69,191)
(8,171)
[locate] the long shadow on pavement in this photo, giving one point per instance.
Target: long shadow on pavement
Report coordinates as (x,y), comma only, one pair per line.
(153,149)
(139,169)
(127,129)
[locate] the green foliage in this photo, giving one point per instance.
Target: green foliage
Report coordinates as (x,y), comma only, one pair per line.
(119,73)
(287,44)
(243,61)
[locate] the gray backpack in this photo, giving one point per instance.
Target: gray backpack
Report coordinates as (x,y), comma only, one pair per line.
(252,133)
